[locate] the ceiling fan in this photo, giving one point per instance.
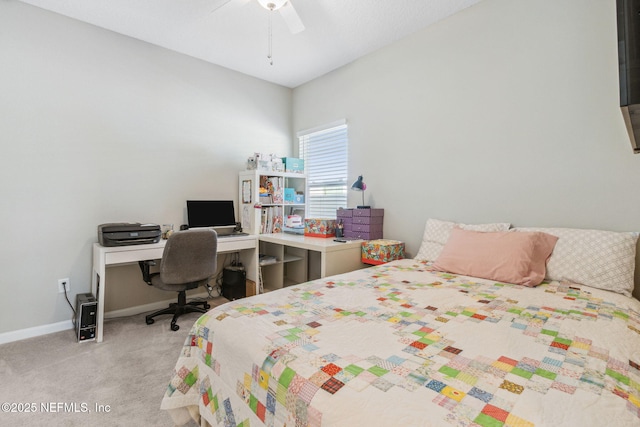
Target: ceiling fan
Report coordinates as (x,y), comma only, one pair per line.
(285,7)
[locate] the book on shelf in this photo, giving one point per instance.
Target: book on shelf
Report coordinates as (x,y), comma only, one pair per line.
(271,220)
(274,187)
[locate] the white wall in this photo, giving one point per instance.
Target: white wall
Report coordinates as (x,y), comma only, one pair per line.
(507,111)
(96,127)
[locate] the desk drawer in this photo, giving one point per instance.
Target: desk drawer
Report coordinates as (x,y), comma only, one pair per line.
(233,245)
(133,256)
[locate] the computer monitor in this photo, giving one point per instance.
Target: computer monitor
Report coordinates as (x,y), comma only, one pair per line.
(218,214)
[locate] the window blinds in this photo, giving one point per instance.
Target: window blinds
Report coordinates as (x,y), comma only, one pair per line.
(325,154)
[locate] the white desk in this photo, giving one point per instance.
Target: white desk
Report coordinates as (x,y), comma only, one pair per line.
(334,257)
(108,256)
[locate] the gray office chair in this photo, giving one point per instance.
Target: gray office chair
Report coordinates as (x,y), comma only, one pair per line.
(188,261)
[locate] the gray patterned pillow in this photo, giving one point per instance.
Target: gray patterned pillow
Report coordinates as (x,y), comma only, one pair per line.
(597,258)
(436,235)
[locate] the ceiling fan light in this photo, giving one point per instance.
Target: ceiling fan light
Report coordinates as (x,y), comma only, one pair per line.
(272,4)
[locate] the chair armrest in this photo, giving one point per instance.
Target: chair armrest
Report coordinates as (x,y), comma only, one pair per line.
(144,268)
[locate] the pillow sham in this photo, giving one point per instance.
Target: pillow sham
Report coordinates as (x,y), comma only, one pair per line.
(518,258)
(436,234)
(596,258)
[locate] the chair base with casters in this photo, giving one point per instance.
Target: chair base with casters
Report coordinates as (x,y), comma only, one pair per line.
(176,308)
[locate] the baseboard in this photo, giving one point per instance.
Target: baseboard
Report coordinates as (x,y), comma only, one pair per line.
(36,331)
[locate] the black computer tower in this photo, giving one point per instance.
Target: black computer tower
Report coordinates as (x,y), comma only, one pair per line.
(234,282)
(86,317)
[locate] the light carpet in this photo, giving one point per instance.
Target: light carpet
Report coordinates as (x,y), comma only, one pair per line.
(118,382)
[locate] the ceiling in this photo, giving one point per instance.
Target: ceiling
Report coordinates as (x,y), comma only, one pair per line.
(235,35)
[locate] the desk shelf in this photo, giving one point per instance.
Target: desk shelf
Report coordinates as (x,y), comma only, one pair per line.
(305,258)
(291,258)
(290,267)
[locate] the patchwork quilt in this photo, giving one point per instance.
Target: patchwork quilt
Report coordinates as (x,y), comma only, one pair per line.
(402,345)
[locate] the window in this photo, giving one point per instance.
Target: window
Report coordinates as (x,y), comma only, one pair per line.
(325,155)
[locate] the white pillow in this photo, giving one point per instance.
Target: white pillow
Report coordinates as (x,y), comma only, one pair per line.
(436,234)
(596,258)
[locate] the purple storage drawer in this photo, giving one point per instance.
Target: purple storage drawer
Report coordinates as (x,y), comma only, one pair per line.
(363,235)
(368,219)
(367,228)
(344,213)
(368,212)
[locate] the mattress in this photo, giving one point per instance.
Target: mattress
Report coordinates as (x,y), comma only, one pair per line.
(403,345)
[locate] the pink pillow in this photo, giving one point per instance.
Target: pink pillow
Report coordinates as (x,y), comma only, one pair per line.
(510,257)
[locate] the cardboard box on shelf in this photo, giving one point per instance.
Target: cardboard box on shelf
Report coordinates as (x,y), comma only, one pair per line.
(291,164)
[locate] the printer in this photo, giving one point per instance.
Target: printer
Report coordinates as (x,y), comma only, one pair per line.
(123,234)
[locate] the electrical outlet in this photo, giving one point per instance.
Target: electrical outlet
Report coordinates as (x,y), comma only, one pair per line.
(62,283)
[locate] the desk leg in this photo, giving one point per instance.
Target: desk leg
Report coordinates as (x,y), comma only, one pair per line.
(249,258)
(340,261)
(97,289)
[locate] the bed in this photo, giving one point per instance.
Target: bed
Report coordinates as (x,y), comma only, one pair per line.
(407,344)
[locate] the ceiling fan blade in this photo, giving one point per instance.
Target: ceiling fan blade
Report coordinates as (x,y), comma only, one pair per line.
(292,18)
(217,4)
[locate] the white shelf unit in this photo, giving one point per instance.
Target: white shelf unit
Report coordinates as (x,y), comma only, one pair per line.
(303,258)
(289,269)
(290,266)
(252,209)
